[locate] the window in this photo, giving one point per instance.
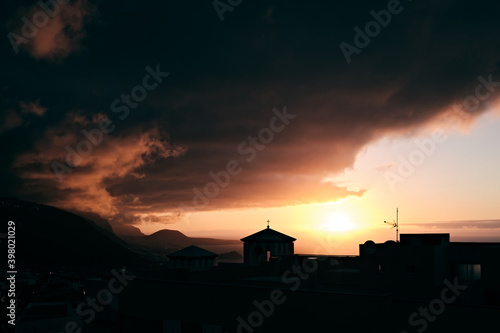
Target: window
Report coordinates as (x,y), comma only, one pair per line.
(211,328)
(468,272)
(268,255)
(171,326)
(381,268)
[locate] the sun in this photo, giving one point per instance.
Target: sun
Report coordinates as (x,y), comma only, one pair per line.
(337,221)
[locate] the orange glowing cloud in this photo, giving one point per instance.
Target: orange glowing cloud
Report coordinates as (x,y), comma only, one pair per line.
(32,107)
(116,157)
(56,32)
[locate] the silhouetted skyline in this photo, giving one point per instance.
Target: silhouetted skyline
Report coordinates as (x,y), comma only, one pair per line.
(209,166)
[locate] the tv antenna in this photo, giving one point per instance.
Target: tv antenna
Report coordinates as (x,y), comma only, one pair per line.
(395,224)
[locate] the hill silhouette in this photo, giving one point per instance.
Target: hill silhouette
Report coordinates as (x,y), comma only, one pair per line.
(50,237)
(233,255)
(126,230)
(174,239)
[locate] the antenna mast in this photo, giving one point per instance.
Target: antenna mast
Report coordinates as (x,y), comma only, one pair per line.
(397,225)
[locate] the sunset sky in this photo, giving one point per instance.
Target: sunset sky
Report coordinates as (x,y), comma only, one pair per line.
(265,101)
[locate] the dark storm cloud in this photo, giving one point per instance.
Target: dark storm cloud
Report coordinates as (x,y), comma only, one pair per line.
(226,78)
(50,29)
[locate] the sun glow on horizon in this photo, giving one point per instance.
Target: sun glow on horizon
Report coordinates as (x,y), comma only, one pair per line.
(338,221)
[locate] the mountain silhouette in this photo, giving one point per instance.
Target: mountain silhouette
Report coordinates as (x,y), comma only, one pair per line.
(94,218)
(126,230)
(50,237)
(233,255)
(174,239)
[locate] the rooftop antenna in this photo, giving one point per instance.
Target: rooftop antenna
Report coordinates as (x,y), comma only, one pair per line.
(268,224)
(395,224)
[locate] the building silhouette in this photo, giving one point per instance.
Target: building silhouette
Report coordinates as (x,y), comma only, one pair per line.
(193,258)
(424,261)
(261,246)
(425,282)
(275,290)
